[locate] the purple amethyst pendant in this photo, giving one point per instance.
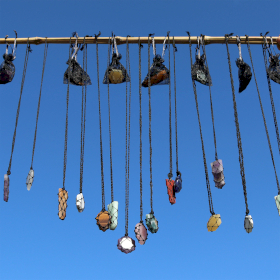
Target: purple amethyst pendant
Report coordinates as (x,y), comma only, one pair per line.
(141,233)
(218,173)
(126,244)
(178,183)
(6,187)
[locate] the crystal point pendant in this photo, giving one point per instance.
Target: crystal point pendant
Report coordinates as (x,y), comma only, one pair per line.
(126,244)
(248,223)
(152,223)
(103,220)
(218,173)
(113,211)
(277,201)
(141,233)
(29,179)
(80,202)
(170,191)
(62,203)
(214,222)
(178,183)
(6,187)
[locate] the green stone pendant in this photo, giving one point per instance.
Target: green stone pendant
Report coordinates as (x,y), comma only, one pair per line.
(152,223)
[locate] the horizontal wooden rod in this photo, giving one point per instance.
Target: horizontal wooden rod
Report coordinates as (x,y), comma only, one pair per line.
(134,40)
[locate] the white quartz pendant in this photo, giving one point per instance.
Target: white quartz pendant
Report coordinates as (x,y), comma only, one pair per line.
(80,202)
(277,201)
(113,211)
(29,179)
(248,223)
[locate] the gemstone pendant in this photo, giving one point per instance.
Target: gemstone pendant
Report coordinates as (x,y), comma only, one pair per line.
(152,223)
(29,179)
(62,203)
(113,212)
(103,220)
(6,187)
(218,173)
(170,191)
(126,244)
(141,233)
(80,202)
(214,222)
(178,183)
(248,223)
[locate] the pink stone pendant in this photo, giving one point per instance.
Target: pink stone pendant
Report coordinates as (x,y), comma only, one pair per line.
(141,233)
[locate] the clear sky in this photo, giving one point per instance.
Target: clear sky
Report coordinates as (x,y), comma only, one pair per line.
(35,244)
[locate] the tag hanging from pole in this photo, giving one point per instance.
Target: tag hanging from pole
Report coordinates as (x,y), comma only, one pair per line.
(7,68)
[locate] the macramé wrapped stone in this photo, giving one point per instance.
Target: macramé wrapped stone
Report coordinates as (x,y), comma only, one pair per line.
(141,233)
(159,74)
(178,183)
(248,223)
(200,71)
(7,69)
(274,68)
(126,244)
(170,191)
(214,222)
(113,211)
(80,202)
(116,73)
(218,173)
(103,220)
(277,201)
(62,203)
(152,223)
(6,187)
(29,179)
(244,74)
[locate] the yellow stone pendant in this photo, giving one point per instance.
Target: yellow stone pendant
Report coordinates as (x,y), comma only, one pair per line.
(116,76)
(214,222)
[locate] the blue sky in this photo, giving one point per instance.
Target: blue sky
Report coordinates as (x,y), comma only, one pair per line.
(35,244)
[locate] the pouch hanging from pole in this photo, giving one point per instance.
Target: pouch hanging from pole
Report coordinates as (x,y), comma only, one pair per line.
(159,74)
(115,73)
(7,68)
(274,65)
(199,70)
(244,71)
(78,76)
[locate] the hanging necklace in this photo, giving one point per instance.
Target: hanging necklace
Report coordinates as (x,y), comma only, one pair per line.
(215,220)
(126,244)
(6,176)
(151,220)
(140,230)
(80,202)
(30,176)
(103,218)
(248,222)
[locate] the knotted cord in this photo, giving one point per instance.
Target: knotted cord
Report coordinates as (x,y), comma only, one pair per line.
(211,207)
(211,104)
(39,101)
(239,143)
(66,123)
(264,121)
(28,50)
(140,127)
(264,47)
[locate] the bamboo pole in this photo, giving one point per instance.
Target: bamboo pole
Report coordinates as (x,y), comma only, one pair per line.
(134,40)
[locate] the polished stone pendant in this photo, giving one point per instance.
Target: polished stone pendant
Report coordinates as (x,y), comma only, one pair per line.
(248,223)
(103,220)
(141,233)
(80,202)
(214,222)
(277,201)
(170,191)
(178,183)
(29,179)
(218,173)
(113,212)
(6,187)
(62,203)
(126,244)
(152,223)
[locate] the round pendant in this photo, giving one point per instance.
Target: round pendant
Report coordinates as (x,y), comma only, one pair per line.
(126,244)
(103,220)
(141,233)
(152,223)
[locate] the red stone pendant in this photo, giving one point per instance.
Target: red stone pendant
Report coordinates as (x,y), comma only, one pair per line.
(170,191)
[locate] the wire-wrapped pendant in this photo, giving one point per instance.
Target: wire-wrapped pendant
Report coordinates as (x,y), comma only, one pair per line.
(214,222)
(113,212)
(29,179)
(218,173)
(80,202)
(6,187)
(141,233)
(103,220)
(170,191)
(152,223)
(62,203)
(126,244)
